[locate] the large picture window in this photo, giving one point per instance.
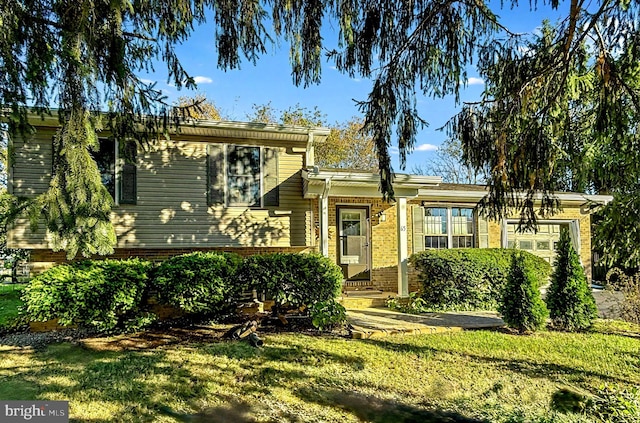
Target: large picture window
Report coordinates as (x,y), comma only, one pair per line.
(242,176)
(443,227)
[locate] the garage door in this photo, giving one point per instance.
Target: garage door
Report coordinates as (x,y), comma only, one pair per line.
(542,243)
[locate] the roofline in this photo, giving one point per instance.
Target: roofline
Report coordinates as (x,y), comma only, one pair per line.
(368,177)
(52,120)
(571,197)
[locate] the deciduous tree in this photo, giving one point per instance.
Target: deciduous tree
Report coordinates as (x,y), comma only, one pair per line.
(449,165)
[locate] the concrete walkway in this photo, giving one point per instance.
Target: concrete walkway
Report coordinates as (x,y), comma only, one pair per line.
(377,322)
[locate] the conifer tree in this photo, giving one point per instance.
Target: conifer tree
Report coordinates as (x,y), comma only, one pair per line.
(563,106)
(569,298)
(522,307)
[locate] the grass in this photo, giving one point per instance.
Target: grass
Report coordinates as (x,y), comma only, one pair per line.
(9,303)
(469,376)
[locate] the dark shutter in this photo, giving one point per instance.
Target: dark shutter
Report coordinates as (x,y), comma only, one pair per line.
(215,175)
(271,186)
(128,175)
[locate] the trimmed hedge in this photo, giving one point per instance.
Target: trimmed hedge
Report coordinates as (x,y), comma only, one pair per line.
(104,294)
(199,283)
(471,278)
(293,279)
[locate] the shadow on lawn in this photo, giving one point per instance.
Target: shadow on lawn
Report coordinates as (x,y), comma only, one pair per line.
(376,410)
(552,371)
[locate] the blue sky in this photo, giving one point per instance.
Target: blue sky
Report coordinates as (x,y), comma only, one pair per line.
(270,80)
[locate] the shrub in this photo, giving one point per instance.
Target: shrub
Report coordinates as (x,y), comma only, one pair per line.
(104,294)
(569,298)
(327,314)
(522,307)
(630,288)
(471,278)
(293,279)
(198,283)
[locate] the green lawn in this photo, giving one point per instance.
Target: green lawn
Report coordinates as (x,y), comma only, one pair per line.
(465,376)
(9,303)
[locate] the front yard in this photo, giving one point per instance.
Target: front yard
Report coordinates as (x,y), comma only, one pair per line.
(467,376)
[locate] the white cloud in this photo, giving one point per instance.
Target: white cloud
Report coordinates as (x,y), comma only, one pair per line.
(356,79)
(425,147)
(202,80)
(475,81)
(394,150)
(146,81)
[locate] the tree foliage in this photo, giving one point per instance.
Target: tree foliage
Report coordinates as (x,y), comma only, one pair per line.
(522,307)
(553,101)
(346,147)
(560,112)
(448,164)
(199,107)
(569,298)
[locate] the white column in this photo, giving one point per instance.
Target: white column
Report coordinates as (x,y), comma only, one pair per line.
(324,225)
(403,252)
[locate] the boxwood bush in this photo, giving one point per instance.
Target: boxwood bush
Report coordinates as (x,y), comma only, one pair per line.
(470,278)
(293,279)
(202,283)
(105,294)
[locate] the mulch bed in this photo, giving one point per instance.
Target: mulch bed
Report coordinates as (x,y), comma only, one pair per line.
(166,333)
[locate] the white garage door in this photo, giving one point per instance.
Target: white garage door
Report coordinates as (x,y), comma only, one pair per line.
(542,243)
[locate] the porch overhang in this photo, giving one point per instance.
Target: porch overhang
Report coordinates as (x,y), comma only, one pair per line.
(361,184)
(322,184)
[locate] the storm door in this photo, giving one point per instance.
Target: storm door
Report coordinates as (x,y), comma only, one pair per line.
(353,243)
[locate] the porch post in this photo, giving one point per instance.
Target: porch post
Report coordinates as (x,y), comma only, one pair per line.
(323,205)
(403,268)
(324,226)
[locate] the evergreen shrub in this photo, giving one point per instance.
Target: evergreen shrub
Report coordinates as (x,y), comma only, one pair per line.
(569,298)
(522,307)
(108,295)
(201,283)
(296,280)
(471,278)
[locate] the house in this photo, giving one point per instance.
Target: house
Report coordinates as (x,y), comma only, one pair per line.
(253,188)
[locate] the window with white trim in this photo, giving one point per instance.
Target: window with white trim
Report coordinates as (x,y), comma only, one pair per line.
(443,227)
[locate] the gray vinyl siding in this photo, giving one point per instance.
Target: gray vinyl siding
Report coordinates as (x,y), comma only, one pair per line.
(171,209)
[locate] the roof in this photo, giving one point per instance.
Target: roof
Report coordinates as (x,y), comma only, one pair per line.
(354,183)
(227,129)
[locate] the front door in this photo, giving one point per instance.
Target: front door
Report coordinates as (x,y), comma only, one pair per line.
(353,243)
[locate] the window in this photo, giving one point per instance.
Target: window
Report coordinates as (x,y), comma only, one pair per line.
(435,227)
(443,227)
(462,227)
(105,158)
(121,183)
(242,176)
